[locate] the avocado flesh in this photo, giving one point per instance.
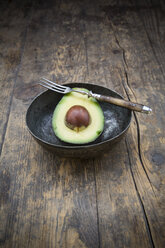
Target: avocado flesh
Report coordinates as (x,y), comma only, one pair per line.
(84,135)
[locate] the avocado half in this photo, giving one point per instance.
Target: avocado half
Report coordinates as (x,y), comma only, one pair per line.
(86,134)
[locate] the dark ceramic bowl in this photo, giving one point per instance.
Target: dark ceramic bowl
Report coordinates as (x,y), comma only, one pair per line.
(39,123)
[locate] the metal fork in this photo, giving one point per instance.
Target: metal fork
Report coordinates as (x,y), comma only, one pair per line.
(116,101)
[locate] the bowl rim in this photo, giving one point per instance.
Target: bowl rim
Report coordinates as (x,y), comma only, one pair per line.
(76,146)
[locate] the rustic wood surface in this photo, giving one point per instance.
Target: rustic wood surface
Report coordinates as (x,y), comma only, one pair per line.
(117,200)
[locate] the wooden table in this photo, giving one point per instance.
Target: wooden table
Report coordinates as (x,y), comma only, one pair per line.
(118,199)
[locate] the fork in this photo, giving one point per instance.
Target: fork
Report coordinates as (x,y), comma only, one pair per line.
(116,101)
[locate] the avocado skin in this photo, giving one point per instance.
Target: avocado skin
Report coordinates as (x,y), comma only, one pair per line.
(87,135)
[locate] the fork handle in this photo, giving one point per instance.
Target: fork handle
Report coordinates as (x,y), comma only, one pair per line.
(124,103)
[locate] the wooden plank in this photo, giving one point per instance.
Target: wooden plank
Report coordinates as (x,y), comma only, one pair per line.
(121,219)
(13,25)
(122,222)
(153,21)
(49,202)
(144,82)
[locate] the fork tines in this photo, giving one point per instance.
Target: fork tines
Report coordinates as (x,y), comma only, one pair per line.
(51,85)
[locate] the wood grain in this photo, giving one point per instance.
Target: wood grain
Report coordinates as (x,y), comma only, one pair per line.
(50,202)
(113,201)
(144,80)
(12,40)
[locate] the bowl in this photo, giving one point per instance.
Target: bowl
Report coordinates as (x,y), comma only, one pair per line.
(39,122)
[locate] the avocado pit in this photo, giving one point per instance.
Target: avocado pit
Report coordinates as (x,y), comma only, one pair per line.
(77,118)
